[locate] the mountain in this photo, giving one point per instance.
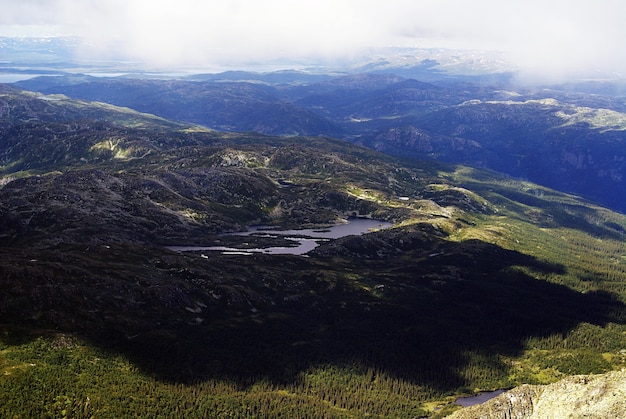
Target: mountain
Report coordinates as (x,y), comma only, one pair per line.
(563,137)
(63,51)
(567,147)
(484,281)
(218,105)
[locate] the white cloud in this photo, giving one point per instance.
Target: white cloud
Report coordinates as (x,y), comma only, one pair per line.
(550,36)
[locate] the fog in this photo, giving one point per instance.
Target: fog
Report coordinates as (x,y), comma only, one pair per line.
(554,38)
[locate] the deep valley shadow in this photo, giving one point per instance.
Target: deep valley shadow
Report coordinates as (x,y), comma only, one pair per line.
(422,314)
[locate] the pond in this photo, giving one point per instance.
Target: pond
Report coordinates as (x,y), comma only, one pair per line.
(304,240)
(478,399)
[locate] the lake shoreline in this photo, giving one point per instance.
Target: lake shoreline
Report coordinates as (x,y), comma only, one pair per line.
(304,240)
(478,398)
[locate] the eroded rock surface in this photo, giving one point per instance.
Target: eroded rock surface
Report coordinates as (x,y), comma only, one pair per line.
(581,396)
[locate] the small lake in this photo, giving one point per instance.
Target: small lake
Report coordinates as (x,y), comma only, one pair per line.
(478,399)
(304,240)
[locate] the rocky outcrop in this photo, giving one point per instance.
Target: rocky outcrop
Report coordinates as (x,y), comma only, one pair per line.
(581,396)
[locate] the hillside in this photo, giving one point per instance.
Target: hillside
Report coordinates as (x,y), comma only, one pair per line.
(569,137)
(483,282)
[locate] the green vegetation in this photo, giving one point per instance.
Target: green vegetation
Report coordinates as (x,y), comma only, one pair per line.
(507,298)
(604,119)
(485,282)
(78,381)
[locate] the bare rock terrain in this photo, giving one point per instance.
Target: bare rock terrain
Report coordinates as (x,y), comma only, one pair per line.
(580,396)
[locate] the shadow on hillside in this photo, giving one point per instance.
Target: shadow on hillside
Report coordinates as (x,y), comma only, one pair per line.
(418,316)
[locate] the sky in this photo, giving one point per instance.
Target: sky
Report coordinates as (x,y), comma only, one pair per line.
(553,37)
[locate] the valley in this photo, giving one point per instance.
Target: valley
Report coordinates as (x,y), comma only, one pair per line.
(482,281)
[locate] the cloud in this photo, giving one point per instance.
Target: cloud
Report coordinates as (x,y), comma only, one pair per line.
(551,37)
(571,38)
(239,32)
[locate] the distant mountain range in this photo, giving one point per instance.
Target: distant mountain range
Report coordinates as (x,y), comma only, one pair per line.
(562,136)
(56,52)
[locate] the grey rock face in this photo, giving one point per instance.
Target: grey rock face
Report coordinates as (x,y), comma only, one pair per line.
(582,396)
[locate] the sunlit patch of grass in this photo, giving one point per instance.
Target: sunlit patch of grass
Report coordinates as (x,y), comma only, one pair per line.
(494,233)
(184,214)
(606,119)
(115,147)
(126,116)
(191,215)
(9,366)
(197,128)
(22,174)
(585,349)
(366,194)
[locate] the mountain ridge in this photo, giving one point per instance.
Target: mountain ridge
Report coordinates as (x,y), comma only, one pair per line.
(559,138)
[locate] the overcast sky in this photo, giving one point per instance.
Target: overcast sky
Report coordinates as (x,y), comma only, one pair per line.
(554,36)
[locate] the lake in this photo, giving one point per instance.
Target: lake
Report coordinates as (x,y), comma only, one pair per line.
(478,399)
(304,240)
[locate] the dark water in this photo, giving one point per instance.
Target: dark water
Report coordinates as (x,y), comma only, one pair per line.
(478,399)
(306,239)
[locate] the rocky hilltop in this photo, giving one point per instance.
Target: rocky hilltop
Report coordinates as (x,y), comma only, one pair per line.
(579,396)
